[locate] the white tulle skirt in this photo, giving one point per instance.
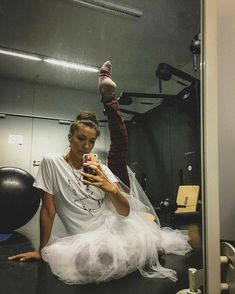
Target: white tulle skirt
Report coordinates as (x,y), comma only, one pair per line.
(113,246)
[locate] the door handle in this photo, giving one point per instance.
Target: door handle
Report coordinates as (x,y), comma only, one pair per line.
(36,162)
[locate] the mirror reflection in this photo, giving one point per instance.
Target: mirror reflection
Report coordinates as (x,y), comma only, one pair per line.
(112,90)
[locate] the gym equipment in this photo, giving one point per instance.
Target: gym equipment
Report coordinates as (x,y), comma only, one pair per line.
(164,72)
(168,207)
(196,49)
(196,280)
(227,285)
(187,199)
(186,202)
(227,260)
(19,200)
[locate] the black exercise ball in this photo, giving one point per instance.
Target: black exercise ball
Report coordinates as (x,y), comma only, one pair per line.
(168,205)
(19,200)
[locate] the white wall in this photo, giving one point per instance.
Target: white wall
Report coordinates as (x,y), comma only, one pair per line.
(41,136)
(226,86)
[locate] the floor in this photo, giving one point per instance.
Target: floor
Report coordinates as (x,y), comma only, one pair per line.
(36,277)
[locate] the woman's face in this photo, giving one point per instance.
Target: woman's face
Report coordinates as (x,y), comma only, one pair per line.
(82,140)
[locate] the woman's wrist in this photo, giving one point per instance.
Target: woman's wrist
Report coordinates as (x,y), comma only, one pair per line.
(41,247)
(114,190)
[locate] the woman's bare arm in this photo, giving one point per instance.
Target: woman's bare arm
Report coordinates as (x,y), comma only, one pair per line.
(120,202)
(47,215)
(100,180)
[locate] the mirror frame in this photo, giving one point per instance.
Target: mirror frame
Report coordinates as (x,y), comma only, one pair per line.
(209,123)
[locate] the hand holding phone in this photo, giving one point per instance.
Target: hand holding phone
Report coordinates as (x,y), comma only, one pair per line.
(101,180)
(89,158)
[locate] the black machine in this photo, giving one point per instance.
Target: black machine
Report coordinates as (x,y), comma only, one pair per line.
(169,135)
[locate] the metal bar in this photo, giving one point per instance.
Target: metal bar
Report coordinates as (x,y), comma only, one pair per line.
(128,111)
(60,120)
(110,7)
(146,95)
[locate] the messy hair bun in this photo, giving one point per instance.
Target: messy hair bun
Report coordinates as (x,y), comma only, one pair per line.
(86,118)
(87,115)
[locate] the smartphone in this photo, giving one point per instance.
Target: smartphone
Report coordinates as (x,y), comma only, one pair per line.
(89,157)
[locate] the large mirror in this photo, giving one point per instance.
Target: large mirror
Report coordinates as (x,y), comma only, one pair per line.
(154,47)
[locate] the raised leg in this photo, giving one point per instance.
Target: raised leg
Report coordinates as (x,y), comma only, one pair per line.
(117,156)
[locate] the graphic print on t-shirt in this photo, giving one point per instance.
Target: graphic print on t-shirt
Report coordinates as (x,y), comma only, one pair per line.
(83,200)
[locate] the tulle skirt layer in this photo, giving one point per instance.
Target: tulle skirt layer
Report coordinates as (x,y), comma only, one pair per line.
(113,246)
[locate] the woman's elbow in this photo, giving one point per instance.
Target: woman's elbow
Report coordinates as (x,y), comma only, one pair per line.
(48,212)
(128,211)
(125,212)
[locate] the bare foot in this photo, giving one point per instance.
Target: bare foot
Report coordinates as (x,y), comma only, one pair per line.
(106,85)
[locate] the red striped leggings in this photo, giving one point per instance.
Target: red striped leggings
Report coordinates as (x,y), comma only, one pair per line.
(117,157)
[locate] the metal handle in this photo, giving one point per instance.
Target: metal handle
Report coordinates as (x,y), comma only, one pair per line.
(36,162)
(196,280)
(227,260)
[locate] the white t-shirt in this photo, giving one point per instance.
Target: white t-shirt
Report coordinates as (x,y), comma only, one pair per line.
(75,202)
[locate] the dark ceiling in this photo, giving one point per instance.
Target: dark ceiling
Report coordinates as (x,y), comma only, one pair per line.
(66,30)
